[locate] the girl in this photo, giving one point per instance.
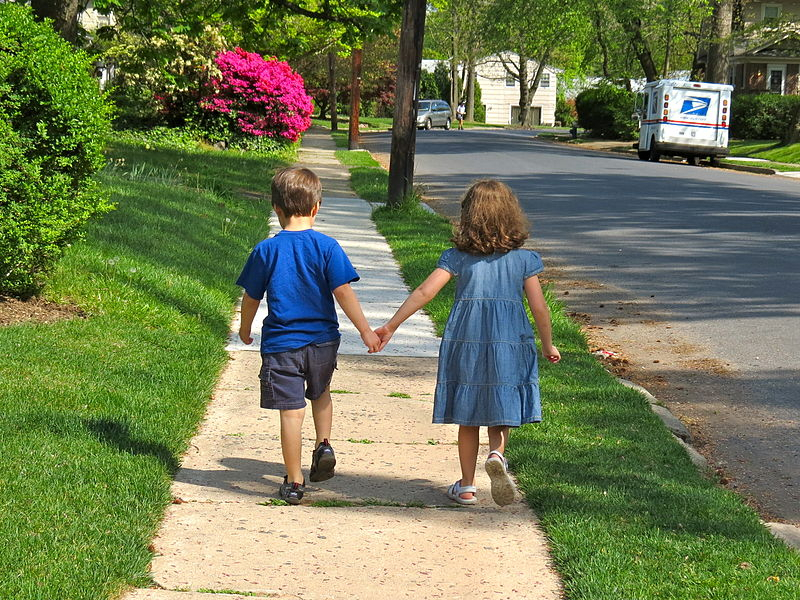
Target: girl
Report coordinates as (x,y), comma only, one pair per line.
(487,360)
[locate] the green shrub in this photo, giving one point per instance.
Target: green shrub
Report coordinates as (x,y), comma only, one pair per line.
(763,116)
(53,126)
(606,111)
(565,110)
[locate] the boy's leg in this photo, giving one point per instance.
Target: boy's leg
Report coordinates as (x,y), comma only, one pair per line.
(322,412)
(291,443)
(468,441)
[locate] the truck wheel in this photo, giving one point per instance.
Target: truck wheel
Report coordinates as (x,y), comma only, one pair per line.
(428,124)
(655,155)
(714,160)
(643,154)
(693,160)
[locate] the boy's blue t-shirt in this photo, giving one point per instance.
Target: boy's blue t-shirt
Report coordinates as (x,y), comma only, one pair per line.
(298,271)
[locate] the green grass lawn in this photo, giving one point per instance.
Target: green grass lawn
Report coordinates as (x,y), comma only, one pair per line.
(95,412)
(769,150)
(627,514)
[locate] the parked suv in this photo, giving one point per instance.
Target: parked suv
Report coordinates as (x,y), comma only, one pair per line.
(433,113)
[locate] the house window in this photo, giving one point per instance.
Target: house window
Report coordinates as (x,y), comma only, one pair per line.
(770,12)
(776,77)
(511,81)
(545,82)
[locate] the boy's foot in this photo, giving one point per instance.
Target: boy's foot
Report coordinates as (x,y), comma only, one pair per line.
(503,487)
(323,461)
(291,492)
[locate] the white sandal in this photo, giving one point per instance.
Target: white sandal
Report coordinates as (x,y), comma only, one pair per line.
(454,493)
(504,489)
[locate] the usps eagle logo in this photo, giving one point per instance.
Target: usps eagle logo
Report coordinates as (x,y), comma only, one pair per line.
(696,106)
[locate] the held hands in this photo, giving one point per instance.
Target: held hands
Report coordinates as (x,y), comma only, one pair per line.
(551,353)
(371,341)
(385,334)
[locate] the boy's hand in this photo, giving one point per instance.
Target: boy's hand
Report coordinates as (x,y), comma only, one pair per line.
(245,337)
(384,334)
(371,341)
(551,353)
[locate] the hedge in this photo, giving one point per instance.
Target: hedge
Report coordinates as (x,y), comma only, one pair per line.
(606,111)
(53,125)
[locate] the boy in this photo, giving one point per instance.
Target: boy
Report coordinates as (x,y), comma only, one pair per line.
(301,271)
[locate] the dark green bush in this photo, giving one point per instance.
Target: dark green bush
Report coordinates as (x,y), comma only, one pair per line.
(763,116)
(606,111)
(53,125)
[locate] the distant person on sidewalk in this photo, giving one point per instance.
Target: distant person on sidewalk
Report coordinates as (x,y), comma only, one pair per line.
(461,111)
(488,373)
(301,271)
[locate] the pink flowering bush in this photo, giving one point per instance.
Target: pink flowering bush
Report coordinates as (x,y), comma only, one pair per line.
(263,96)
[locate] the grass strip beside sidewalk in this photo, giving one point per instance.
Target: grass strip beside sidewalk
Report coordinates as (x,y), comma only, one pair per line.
(95,412)
(628,515)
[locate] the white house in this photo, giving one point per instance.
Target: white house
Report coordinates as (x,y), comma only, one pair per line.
(500,93)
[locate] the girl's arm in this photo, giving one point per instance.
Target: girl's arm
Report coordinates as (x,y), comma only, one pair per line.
(417,299)
(541,316)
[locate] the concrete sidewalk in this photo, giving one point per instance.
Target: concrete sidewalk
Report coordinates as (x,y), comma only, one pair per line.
(388,528)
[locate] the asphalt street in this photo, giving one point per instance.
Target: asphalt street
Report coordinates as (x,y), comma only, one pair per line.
(717,250)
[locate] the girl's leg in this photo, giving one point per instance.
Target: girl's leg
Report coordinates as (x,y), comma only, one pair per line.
(322,412)
(291,442)
(468,441)
(498,437)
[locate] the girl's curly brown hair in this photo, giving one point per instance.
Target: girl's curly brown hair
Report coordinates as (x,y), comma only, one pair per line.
(491,220)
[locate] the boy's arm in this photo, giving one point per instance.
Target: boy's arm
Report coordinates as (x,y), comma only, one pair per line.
(347,299)
(248,313)
(426,292)
(541,316)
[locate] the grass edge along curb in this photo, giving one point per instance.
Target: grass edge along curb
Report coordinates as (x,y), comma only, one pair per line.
(97,412)
(627,514)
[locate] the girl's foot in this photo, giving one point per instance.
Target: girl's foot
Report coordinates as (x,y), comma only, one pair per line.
(456,493)
(503,487)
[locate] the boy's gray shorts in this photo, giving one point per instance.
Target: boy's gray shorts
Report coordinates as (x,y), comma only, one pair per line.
(288,377)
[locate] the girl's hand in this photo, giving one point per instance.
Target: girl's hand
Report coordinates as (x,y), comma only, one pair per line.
(551,353)
(385,335)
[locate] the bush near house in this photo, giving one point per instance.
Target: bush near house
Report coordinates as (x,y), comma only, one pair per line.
(764,116)
(53,126)
(606,110)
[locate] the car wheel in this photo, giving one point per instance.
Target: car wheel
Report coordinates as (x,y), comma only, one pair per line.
(428,124)
(447,124)
(643,154)
(655,155)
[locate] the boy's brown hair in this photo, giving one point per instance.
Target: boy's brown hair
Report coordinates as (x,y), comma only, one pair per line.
(491,220)
(296,191)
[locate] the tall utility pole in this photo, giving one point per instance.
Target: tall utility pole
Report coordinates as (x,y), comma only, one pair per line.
(404,130)
(355,100)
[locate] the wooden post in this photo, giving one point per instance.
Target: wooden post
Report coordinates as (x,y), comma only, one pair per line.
(404,129)
(355,99)
(332,90)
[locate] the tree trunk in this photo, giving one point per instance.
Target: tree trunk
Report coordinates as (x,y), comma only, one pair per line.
(355,99)
(641,48)
(455,92)
(404,129)
(332,100)
(524,97)
(597,21)
(64,14)
(470,116)
(717,65)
